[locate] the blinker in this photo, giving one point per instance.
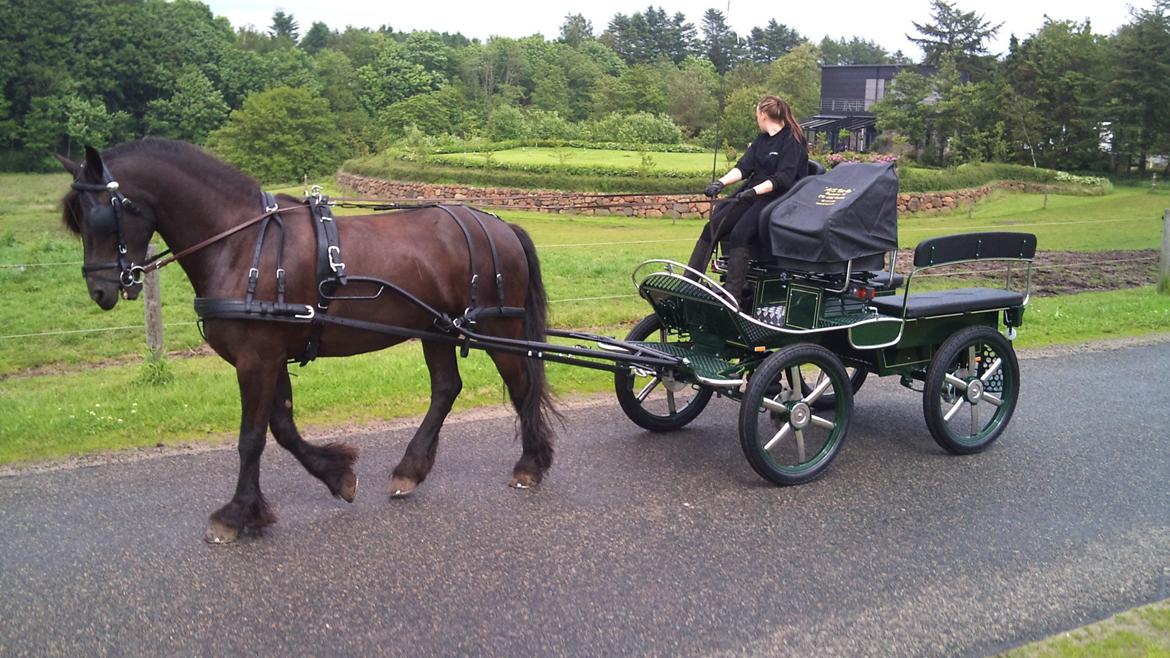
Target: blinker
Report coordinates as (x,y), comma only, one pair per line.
(101,220)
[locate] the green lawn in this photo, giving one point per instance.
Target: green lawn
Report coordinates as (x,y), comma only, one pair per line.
(586,262)
(694,163)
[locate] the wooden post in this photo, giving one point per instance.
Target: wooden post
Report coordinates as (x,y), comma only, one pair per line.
(153,310)
(1164,266)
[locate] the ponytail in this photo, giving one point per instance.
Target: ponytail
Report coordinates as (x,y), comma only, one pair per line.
(778,110)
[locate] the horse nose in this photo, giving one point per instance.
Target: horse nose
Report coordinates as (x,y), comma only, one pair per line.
(97,295)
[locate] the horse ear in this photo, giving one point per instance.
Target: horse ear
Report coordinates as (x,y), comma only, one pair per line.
(69,165)
(93,164)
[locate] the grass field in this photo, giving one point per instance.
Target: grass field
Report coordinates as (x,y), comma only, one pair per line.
(695,163)
(587,262)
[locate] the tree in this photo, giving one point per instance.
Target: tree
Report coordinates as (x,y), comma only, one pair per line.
(796,78)
(575,29)
(317,38)
(649,35)
(280,135)
(284,27)
(691,91)
(771,42)
(720,43)
(1061,67)
(959,35)
(1141,83)
(853,51)
(394,75)
(191,113)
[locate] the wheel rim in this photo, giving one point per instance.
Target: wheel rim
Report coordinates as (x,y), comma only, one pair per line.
(791,434)
(977,393)
(661,396)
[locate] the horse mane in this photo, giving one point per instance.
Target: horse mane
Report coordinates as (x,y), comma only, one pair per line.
(205,167)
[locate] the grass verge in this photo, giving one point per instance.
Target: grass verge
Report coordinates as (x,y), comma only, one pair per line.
(1139,633)
(51,416)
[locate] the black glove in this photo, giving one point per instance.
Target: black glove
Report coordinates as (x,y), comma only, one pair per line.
(714,188)
(747,194)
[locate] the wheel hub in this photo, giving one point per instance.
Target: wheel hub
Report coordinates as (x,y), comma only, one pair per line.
(800,415)
(974,391)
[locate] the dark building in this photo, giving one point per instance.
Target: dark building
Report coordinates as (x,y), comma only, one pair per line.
(847,96)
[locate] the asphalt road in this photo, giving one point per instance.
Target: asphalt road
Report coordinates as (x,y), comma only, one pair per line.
(636,543)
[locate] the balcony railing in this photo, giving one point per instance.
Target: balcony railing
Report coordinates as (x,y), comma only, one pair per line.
(843,105)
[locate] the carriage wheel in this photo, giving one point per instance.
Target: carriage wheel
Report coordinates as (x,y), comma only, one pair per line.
(652,400)
(856,375)
(971,390)
(782,438)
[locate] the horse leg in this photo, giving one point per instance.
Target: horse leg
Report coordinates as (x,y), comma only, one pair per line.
(331,463)
(420,453)
(529,392)
(247,508)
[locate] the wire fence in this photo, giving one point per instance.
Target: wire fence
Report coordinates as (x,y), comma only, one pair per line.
(596,298)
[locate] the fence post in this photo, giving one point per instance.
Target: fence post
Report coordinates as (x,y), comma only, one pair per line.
(153,310)
(1164,265)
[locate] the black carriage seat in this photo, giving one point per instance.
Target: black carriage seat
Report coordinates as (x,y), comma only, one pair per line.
(949,302)
(957,249)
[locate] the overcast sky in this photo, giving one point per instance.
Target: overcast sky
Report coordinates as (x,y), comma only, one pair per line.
(884,22)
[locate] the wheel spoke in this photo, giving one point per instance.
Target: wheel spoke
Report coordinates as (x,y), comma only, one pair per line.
(647,388)
(800,446)
(823,423)
(670,401)
(955,409)
(991,370)
(956,382)
(773,405)
(972,354)
(794,381)
(975,419)
(992,400)
(779,435)
(823,383)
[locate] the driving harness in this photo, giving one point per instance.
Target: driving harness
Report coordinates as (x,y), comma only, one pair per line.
(333,278)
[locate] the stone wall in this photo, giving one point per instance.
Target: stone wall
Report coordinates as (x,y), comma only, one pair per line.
(629,205)
(578,203)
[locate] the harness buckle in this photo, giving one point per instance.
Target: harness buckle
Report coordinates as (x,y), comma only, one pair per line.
(309,313)
(253,274)
(335,262)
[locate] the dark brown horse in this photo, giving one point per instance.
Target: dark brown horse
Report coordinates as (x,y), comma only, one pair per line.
(187,196)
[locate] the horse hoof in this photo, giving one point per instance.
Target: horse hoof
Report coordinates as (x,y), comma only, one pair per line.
(218,533)
(401,487)
(349,486)
(524,481)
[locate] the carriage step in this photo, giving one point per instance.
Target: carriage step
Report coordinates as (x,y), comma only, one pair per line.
(703,365)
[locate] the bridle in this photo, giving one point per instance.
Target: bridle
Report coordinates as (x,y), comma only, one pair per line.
(109,218)
(105,219)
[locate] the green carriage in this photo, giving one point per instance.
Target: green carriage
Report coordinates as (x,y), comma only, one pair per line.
(815,330)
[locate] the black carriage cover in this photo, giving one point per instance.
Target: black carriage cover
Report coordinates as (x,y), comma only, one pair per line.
(849,213)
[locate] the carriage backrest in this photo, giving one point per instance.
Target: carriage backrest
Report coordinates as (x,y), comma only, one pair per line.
(975,246)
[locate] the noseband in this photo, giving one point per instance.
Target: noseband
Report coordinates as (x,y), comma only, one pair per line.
(109,219)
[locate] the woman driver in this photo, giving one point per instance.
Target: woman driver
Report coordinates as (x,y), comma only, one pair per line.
(774,161)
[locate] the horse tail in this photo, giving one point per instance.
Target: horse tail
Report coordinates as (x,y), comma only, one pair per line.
(537,405)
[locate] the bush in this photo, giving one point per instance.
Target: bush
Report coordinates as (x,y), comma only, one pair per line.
(280,135)
(387,167)
(506,122)
(639,128)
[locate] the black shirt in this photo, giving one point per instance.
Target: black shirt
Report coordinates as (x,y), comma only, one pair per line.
(781,158)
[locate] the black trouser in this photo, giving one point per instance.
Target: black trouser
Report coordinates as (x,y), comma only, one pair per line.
(736,220)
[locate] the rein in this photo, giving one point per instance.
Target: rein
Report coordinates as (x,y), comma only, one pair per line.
(158,262)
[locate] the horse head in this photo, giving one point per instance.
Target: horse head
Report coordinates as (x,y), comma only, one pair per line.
(114,231)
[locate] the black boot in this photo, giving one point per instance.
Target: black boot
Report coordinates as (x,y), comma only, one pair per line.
(736,280)
(701,256)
